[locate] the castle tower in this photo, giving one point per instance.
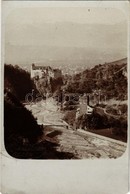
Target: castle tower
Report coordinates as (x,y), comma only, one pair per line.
(32,70)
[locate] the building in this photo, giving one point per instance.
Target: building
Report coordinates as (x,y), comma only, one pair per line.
(44,71)
(41,71)
(84,105)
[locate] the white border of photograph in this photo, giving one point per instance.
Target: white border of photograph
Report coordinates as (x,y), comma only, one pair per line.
(98,176)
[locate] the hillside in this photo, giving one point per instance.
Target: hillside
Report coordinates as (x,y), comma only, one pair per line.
(109,78)
(118,62)
(48,85)
(20,126)
(23,136)
(15,80)
(106,86)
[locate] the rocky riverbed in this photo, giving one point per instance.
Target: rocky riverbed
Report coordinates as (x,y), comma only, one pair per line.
(81,145)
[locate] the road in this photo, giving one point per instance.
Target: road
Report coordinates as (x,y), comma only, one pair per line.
(81,145)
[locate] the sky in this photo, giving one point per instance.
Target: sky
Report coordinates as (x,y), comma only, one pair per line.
(65,35)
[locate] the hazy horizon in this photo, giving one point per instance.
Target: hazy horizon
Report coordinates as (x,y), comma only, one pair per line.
(71,36)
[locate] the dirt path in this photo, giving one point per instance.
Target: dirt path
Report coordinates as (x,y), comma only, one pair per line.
(80,145)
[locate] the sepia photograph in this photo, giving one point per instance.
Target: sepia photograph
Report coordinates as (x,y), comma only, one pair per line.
(65,83)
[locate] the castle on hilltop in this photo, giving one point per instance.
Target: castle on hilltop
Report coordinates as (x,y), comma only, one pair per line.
(44,71)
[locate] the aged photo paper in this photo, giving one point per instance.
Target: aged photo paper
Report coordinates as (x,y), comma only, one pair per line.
(65,94)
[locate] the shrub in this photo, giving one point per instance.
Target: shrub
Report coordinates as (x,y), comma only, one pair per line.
(15,80)
(19,121)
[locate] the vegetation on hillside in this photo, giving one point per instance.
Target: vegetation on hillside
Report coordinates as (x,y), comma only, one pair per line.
(20,126)
(17,81)
(99,122)
(45,87)
(56,84)
(23,137)
(111,80)
(108,78)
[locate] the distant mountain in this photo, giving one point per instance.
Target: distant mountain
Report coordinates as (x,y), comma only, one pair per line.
(118,62)
(65,44)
